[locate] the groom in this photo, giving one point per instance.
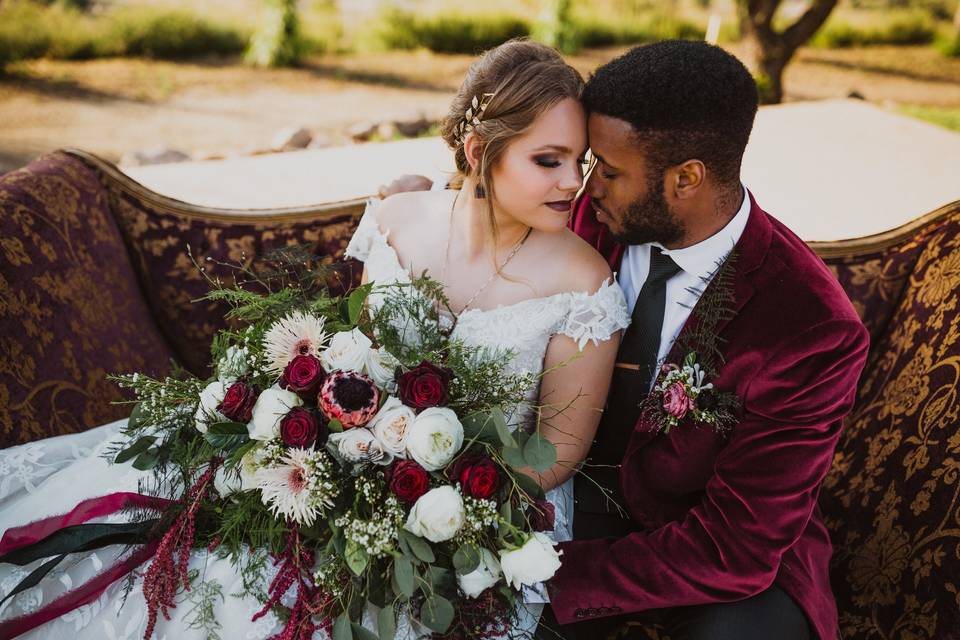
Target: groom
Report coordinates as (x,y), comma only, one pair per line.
(719,535)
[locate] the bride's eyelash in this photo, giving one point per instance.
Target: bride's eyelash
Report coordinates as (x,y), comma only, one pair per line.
(547,162)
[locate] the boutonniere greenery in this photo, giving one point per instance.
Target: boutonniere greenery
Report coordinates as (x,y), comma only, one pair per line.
(685,391)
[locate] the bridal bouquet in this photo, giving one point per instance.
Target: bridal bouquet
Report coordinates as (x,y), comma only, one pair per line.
(352,442)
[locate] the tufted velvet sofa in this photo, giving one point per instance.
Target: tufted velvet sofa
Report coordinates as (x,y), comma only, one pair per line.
(95,278)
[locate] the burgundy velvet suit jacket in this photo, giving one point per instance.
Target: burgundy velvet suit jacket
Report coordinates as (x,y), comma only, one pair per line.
(720,519)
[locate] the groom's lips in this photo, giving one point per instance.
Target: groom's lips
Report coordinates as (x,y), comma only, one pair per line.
(602,216)
(560,205)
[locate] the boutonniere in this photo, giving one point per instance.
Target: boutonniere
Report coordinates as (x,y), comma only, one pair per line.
(683,392)
(686,391)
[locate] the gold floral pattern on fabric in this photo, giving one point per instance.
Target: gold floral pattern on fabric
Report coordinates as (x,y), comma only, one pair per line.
(70,307)
(892,497)
(161,244)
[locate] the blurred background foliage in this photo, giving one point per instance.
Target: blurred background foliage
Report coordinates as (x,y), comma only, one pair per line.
(277,33)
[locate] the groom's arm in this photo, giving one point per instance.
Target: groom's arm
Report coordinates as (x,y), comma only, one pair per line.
(757,504)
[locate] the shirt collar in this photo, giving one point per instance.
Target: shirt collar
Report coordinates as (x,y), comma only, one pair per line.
(702,259)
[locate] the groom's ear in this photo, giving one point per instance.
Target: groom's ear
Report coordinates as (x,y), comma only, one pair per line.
(688,178)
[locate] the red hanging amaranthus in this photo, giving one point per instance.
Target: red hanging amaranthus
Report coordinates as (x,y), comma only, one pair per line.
(164,577)
(296,569)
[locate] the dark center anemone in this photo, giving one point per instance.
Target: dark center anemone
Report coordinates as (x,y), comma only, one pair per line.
(352,393)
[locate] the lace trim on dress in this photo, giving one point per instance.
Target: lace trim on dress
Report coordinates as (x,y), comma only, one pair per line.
(368,232)
(595,317)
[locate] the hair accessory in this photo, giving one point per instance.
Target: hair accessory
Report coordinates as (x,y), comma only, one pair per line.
(473,115)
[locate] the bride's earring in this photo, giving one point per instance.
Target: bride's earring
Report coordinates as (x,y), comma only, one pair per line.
(480,192)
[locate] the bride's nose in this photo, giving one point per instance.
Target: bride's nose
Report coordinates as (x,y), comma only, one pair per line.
(572,180)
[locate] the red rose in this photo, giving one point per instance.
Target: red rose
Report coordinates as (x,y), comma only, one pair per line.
(542,516)
(303,376)
(426,385)
(238,402)
(408,480)
(478,476)
(299,428)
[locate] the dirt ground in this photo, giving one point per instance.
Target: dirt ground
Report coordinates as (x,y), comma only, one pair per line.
(219,107)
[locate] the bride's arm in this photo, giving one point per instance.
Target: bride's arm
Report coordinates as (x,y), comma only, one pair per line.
(572,397)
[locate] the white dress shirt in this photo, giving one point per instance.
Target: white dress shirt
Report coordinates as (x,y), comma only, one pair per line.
(698,263)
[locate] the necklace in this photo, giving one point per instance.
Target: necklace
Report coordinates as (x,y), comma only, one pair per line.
(446,258)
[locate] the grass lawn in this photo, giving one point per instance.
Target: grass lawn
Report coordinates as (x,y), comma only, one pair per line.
(948,117)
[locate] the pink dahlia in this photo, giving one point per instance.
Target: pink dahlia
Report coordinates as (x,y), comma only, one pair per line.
(352,398)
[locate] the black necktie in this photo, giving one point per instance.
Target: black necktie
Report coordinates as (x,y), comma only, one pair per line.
(636,368)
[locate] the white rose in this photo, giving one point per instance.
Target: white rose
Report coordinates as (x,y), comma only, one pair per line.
(536,561)
(243,476)
(360,445)
(210,398)
(437,515)
(483,577)
(233,364)
(272,405)
(391,425)
(380,366)
(348,351)
(435,438)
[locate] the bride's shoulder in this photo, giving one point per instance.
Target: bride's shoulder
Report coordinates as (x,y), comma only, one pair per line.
(412,209)
(579,267)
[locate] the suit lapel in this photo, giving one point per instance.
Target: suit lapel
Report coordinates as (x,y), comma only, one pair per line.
(750,253)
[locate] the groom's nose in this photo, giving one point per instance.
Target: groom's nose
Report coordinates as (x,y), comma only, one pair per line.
(594,187)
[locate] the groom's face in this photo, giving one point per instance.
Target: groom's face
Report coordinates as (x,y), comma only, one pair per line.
(626,191)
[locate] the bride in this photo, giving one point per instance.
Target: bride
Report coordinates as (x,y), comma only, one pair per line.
(515,277)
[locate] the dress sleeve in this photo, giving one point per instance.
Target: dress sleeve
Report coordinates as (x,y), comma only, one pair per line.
(366,234)
(596,316)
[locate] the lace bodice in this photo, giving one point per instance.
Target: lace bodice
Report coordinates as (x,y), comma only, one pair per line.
(525,327)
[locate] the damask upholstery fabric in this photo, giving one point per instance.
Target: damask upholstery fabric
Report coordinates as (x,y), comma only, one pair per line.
(891,497)
(158,239)
(71,311)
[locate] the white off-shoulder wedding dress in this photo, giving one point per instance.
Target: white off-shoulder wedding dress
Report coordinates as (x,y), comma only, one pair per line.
(52,476)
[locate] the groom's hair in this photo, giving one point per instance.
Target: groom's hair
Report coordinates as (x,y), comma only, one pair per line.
(685,100)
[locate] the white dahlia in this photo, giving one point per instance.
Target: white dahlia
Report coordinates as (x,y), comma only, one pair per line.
(299,334)
(300,487)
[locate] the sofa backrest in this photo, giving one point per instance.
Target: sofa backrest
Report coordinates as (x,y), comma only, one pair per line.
(158,233)
(892,497)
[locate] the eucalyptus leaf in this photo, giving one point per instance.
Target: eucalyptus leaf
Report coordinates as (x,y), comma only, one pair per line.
(420,547)
(356,557)
(138,447)
(335,426)
(403,573)
(386,623)
(360,632)
(530,486)
(480,427)
(355,302)
(342,628)
(500,423)
(513,456)
(228,428)
(437,613)
(466,559)
(147,460)
(226,442)
(539,453)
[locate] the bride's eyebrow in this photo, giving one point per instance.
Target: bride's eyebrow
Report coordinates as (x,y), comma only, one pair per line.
(553,147)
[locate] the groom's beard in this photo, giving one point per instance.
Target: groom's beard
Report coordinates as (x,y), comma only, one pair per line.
(650,219)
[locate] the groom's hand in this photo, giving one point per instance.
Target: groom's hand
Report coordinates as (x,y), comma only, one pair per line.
(405,183)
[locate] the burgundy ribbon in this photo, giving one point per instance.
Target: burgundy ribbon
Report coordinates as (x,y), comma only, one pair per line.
(28,534)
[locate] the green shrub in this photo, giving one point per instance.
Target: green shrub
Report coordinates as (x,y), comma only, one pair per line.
(950,46)
(32,30)
(906,30)
(598,32)
(173,34)
(445,32)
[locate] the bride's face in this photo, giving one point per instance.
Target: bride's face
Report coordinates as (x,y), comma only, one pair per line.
(541,171)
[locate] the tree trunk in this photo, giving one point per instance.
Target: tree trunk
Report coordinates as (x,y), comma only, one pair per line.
(768,50)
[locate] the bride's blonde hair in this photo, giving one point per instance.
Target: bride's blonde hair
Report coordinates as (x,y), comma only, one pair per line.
(502,95)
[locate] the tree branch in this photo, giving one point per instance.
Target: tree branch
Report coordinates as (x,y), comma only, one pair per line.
(807,24)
